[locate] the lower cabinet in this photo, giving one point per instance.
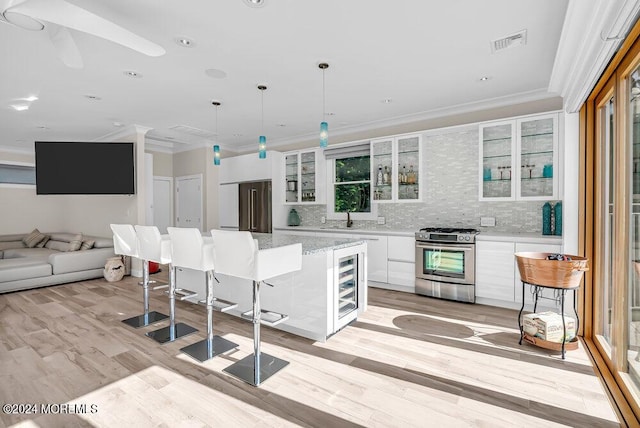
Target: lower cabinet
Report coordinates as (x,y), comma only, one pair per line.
(401,261)
(497,275)
(494,270)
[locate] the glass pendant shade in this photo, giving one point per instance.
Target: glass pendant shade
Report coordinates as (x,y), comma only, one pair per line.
(262,147)
(324,134)
(216,155)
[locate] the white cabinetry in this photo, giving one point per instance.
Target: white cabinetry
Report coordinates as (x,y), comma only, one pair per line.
(401,258)
(497,277)
(494,270)
(519,159)
(228,206)
(304,177)
(396,169)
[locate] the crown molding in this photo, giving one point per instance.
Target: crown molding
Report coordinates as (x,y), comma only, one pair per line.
(592,33)
(127,131)
(522,97)
(22,151)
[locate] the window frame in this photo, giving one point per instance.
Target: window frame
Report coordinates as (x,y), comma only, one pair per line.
(331,213)
(17,185)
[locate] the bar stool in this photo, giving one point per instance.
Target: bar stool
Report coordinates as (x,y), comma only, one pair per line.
(161,247)
(237,254)
(189,250)
(125,242)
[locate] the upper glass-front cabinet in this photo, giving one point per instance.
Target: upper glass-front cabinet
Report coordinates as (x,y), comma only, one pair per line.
(396,171)
(301,176)
(519,159)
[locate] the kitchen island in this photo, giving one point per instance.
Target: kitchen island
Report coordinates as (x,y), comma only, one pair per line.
(324,296)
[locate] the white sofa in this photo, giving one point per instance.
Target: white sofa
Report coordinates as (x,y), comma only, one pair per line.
(54,262)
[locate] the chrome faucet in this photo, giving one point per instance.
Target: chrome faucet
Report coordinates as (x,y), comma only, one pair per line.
(349,221)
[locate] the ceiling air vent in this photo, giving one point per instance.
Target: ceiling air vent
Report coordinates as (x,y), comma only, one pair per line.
(516,39)
(192,131)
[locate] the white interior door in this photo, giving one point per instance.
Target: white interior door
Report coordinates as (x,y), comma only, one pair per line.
(162,203)
(189,201)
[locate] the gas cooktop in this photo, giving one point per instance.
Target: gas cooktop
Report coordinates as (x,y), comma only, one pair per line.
(448,230)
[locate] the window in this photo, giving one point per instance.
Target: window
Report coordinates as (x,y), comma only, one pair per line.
(352,185)
(17,174)
(350,188)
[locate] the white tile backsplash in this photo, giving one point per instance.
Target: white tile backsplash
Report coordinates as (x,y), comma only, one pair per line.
(450,194)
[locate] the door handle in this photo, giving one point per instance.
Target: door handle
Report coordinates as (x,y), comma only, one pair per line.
(254,194)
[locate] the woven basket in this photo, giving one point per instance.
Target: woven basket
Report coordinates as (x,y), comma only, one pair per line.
(536,269)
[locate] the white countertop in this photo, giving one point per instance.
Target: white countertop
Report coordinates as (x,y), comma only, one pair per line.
(346,230)
(310,244)
(534,238)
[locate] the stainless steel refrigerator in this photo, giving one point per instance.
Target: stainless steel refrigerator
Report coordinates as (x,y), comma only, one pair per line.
(255,206)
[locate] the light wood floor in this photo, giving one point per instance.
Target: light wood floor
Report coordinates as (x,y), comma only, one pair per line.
(408,361)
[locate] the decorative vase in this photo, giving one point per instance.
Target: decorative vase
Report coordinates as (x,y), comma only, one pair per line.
(294,218)
(546,219)
(557,213)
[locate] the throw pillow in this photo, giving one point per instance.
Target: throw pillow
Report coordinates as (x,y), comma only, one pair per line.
(75,243)
(87,245)
(33,239)
(43,242)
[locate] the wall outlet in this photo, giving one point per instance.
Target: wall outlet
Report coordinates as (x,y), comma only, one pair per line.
(380,220)
(488,221)
(323,219)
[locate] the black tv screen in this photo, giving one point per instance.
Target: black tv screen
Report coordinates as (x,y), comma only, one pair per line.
(79,168)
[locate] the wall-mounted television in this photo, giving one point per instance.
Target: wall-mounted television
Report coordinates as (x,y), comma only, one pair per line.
(84,168)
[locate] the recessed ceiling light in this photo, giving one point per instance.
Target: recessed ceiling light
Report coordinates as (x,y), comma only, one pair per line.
(42,127)
(132,74)
(31,98)
(118,124)
(387,101)
(484,78)
(92,97)
(237,135)
(184,42)
(20,107)
(215,73)
(330,113)
(255,3)
(281,125)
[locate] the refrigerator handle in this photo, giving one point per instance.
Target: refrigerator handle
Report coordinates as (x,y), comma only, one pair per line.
(252,208)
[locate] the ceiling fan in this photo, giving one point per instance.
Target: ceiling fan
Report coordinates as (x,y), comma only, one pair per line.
(56,17)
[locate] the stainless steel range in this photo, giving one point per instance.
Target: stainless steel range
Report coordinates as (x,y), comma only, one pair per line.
(445,263)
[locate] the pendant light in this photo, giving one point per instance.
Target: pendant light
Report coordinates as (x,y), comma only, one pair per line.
(324,127)
(262,141)
(216,148)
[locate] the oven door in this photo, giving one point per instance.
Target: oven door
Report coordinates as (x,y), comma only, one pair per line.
(446,263)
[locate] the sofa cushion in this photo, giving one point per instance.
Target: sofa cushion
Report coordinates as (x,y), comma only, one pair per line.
(12,244)
(87,245)
(17,269)
(34,238)
(42,243)
(79,260)
(101,242)
(64,242)
(41,254)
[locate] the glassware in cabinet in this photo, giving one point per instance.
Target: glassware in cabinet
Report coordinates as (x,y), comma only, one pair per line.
(384,172)
(537,151)
(409,158)
(496,142)
(308,176)
(291,177)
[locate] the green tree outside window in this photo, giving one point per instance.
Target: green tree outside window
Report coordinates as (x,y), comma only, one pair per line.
(353,185)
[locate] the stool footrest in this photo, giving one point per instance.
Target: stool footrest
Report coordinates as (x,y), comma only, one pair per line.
(161,286)
(266,317)
(220,305)
(183,293)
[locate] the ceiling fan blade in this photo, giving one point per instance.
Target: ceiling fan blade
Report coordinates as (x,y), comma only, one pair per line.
(65,46)
(68,15)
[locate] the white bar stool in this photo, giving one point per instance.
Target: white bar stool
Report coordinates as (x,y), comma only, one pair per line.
(164,245)
(125,242)
(189,250)
(237,254)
